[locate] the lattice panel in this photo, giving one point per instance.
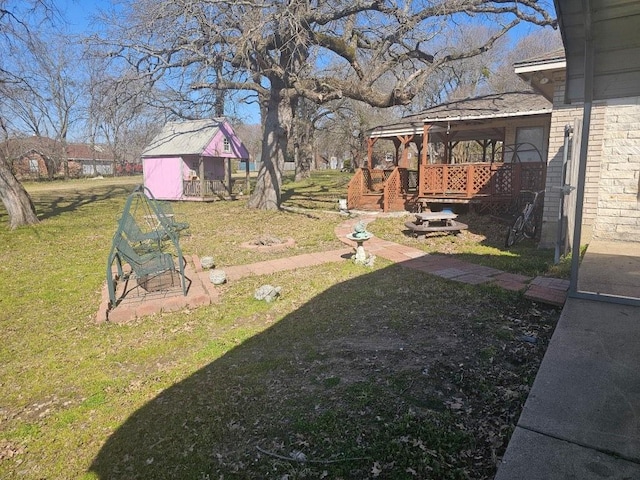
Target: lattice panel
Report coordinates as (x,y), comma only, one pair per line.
(503,181)
(354,190)
(434,180)
(482,179)
(457,179)
(532,177)
(391,189)
(366,174)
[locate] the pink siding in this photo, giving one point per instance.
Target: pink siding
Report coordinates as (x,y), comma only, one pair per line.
(163,177)
(216,146)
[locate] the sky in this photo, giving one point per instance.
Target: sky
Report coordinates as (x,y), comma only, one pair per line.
(79,17)
(78,13)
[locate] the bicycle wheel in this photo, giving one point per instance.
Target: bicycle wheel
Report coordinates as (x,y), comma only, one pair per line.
(530,227)
(515,232)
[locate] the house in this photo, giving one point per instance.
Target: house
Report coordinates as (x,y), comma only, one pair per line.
(192,160)
(610,182)
(33,158)
(481,151)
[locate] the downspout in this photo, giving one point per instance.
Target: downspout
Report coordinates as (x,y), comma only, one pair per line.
(564,190)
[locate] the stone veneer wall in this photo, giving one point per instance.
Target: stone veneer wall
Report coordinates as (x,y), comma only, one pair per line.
(562,115)
(618,207)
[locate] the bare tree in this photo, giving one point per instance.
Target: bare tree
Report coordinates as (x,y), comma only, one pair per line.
(282,51)
(44,96)
(502,77)
(120,112)
(16,19)
(14,197)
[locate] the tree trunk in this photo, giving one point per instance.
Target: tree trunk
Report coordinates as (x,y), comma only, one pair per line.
(277,125)
(15,199)
(304,153)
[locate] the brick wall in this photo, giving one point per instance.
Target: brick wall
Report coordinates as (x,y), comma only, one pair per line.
(618,205)
(567,115)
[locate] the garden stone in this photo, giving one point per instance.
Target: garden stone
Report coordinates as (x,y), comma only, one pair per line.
(217,276)
(207,263)
(267,293)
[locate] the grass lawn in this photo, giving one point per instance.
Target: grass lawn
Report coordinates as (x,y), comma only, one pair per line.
(365,373)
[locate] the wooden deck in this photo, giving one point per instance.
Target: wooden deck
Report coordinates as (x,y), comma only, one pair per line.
(481,184)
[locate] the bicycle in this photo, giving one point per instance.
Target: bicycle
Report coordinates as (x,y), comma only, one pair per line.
(526,223)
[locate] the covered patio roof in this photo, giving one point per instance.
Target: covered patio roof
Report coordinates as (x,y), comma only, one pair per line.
(471,118)
(609,28)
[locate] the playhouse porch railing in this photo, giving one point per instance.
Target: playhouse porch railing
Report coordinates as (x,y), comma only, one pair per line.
(193,188)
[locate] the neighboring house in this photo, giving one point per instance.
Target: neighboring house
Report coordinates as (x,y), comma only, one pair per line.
(611,206)
(33,158)
(480,151)
(91,160)
(192,160)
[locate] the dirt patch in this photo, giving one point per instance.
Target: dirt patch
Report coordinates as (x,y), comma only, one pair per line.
(268,243)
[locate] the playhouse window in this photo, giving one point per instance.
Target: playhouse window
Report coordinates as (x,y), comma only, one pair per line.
(226,145)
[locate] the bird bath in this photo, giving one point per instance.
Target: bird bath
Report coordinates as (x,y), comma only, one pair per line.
(360,235)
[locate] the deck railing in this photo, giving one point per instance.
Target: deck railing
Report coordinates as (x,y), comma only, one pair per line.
(461,182)
(193,188)
(356,189)
(481,179)
(393,188)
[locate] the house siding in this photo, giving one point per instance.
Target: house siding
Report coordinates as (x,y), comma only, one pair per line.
(618,205)
(561,116)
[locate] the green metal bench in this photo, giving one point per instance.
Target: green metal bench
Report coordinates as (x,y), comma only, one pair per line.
(145,251)
(145,266)
(135,234)
(167,217)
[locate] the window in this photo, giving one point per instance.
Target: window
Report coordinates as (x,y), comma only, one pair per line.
(33,165)
(226,145)
(530,144)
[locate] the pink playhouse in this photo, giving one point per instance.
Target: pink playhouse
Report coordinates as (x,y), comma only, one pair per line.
(192,160)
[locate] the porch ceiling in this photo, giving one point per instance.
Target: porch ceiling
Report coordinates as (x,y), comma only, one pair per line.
(611,26)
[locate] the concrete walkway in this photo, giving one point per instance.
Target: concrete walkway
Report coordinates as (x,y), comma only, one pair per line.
(136,302)
(582,417)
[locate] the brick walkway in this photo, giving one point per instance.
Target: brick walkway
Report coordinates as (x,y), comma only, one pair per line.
(138,303)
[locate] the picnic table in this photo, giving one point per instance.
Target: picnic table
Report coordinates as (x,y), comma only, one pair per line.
(444,221)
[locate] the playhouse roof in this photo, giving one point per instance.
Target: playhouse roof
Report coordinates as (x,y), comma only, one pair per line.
(184,138)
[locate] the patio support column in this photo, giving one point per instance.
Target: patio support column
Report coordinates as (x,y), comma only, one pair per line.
(370,143)
(584,149)
(397,142)
(404,140)
(424,160)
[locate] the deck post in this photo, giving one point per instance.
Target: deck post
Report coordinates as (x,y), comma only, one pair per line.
(470,174)
(424,159)
(370,143)
(404,141)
